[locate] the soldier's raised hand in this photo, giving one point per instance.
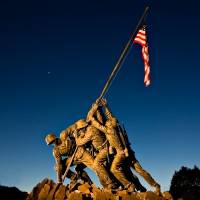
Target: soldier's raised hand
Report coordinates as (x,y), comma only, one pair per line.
(98,101)
(104,102)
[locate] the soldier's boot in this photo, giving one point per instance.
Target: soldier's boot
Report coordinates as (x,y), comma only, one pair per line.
(141,188)
(112,186)
(158,191)
(131,188)
(138,185)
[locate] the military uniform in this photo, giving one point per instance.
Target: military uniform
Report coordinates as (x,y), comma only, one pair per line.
(67,148)
(114,141)
(135,165)
(98,140)
(79,161)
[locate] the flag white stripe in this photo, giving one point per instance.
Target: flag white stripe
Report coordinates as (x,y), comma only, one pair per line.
(142,40)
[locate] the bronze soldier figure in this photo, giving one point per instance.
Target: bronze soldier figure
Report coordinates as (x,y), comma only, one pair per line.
(98,140)
(133,162)
(114,141)
(66,149)
(91,134)
(99,134)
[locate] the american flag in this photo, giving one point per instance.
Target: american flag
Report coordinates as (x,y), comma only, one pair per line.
(141,38)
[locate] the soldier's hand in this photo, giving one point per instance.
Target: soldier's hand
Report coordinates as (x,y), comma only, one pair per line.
(98,101)
(104,102)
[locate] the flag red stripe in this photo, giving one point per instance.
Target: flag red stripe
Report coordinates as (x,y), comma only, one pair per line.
(139,42)
(141,38)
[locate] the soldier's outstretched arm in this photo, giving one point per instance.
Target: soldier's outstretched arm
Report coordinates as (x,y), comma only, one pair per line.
(99,116)
(65,133)
(101,127)
(92,111)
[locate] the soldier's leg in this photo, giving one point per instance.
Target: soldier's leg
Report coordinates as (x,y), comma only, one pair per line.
(138,185)
(132,177)
(103,174)
(70,175)
(137,167)
(99,159)
(147,177)
(116,170)
(100,171)
(83,175)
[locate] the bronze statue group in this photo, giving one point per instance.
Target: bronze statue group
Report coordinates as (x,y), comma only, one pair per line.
(99,143)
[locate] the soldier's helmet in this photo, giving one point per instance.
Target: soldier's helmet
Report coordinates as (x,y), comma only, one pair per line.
(50,138)
(81,123)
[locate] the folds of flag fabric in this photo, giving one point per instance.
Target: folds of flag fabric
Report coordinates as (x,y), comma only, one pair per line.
(141,38)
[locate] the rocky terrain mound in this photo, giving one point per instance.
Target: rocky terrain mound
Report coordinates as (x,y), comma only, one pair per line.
(48,190)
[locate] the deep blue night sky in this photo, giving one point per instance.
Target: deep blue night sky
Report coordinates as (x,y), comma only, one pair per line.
(55,58)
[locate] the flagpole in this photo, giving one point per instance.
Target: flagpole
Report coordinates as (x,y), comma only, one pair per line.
(124,51)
